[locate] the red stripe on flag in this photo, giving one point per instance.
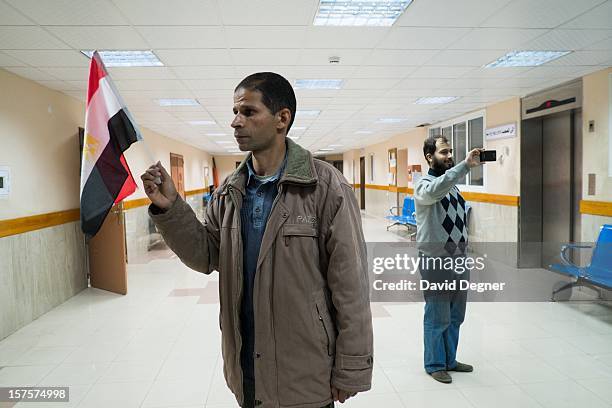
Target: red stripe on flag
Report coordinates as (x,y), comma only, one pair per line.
(96,73)
(129,186)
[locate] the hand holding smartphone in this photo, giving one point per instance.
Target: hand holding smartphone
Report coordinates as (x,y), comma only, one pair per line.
(488,155)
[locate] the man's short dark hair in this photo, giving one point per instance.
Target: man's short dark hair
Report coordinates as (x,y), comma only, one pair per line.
(276,92)
(429,146)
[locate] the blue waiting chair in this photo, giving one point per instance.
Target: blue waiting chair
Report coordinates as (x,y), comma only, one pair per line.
(407,216)
(598,274)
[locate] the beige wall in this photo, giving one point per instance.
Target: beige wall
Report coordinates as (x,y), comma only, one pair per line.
(226,165)
(596,107)
(194,160)
(39,142)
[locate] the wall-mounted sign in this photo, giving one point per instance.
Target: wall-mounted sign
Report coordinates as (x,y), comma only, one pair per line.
(501,132)
(5,182)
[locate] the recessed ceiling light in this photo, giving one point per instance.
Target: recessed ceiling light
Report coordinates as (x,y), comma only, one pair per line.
(202,122)
(391,120)
(308,113)
(318,83)
(359,13)
(124,58)
(526,58)
(178,102)
(216,134)
(433,100)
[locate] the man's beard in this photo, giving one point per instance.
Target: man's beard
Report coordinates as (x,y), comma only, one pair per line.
(440,166)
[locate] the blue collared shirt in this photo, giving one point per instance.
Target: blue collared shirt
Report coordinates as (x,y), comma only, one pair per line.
(256,207)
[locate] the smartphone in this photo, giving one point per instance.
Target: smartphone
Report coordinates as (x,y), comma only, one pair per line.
(488,155)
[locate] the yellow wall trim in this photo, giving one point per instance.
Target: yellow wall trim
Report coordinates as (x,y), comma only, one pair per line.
(35,222)
(596,208)
(500,199)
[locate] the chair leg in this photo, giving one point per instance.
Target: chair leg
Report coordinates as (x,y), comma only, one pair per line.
(562,288)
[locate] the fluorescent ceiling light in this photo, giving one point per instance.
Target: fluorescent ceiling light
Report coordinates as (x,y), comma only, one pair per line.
(526,59)
(326,150)
(391,120)
(433,100)
(202,122)
(216,134)
(178,102)
(318,83)
(359,13)
(309,113)
(127,58)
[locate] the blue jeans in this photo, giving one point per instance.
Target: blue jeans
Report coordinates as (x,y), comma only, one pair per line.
(444,313)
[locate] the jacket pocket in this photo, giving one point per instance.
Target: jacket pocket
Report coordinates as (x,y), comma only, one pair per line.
(327,326)
(298,230)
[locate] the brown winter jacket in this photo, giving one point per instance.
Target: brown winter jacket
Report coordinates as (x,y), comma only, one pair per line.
(313,325)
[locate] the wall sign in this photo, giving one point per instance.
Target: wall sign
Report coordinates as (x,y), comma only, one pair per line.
(5,182)
(501,132)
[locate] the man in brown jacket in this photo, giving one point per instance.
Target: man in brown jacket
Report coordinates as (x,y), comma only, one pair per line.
(284,232)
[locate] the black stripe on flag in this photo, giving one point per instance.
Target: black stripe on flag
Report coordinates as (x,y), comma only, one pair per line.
(122,130)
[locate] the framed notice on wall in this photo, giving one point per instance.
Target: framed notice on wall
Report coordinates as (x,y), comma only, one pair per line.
(5,182)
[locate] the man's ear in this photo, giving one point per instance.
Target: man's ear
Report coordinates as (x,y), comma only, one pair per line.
(428,158)
(283,118)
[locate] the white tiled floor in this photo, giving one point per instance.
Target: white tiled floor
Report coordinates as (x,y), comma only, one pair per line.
(149,349)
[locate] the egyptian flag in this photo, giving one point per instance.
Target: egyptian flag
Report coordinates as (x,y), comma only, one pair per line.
(106,178)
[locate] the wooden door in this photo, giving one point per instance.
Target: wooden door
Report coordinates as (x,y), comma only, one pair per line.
(177,173)
(107,258)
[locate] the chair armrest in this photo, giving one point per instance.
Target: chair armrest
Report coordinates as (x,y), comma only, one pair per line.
(392,208)
(564,249)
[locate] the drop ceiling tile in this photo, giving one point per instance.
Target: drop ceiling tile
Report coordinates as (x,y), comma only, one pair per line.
(264,56)
(423,83)
(440,72)
(9,16)
(323,71)
(205,72)
(9,61)
(227,85)
(466,13)
(399,57)
(401,71)
(141,73)
(51,58)
(265,36)
(70,12)
(60,86)
(547,71)
(567,39)
(194,57)
(538,14)
(583,58)
(149,85)
(426,38)
(100,37)
(163,12)
(344,37)
(183,36)
(31,73)
(28,38)
(472,58)
(369,83)
(272,12)
(67,73)
(598,17)
(496,38)
(506,72)
(601,45)
(242,71)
